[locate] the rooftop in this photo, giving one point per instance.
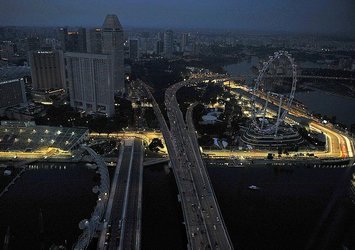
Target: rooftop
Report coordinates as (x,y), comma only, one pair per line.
(31,138)
(112,23)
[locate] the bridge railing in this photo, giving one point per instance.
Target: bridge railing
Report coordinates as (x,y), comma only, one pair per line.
(91,226)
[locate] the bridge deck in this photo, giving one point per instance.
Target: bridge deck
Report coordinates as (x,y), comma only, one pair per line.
(123,214)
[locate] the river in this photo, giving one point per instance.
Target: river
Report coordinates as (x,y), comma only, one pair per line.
(63,192)
(323,102)
(317,101)
(284,214)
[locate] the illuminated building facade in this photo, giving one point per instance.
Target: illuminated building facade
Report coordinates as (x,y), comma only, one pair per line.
(90,83)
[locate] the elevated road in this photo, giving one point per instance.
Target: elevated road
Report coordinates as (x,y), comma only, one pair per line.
(194,201)
(202,191)
(131,216)
(122,226)
(154,161)
(190,219)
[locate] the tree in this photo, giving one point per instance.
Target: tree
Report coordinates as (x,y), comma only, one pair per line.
(269,156)
(155,145)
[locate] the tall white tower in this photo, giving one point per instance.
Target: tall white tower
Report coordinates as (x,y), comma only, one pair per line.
(112,44)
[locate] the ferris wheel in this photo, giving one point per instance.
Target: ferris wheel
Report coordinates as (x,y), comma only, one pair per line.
(261,97)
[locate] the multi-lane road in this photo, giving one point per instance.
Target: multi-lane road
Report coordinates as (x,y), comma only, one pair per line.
(203,221)
(122,226)
(207,207)
(338,144)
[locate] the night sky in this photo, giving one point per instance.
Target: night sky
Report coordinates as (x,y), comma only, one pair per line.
(321,16)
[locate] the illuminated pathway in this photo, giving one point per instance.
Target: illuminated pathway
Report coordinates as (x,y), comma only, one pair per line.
(339,145)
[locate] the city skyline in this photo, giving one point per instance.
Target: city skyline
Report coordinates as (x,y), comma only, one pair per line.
(287,16)
(177,124)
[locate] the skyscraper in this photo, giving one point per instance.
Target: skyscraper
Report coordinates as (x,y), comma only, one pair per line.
(63,37)
(47,70)
(90,82)
(113,44)
(168,44)
(159,47)
(73,41)
(94,40)
(184,41)
(82,47)
(72,44)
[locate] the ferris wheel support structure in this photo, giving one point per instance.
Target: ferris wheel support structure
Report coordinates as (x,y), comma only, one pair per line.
(258,88)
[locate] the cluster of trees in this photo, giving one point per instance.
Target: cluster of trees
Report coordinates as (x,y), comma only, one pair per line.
(66,116)
(155,145)
(104,148)
(311,140)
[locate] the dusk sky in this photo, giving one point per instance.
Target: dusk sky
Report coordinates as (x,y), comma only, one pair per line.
(324,16)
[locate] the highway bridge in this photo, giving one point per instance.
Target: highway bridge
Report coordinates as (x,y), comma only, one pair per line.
(203,220)
(122,224)
(154,161)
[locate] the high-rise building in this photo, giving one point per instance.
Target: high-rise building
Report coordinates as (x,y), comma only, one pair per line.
(133,49)
(63,37)
(82,46)
(113,44)
(90,81)
(47,70)
(160,47)
(168,44)
(72,42)
(12,93)
(161,36)
(184,41)
(94,40)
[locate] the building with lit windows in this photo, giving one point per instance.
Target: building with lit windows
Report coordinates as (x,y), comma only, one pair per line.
(90,81)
